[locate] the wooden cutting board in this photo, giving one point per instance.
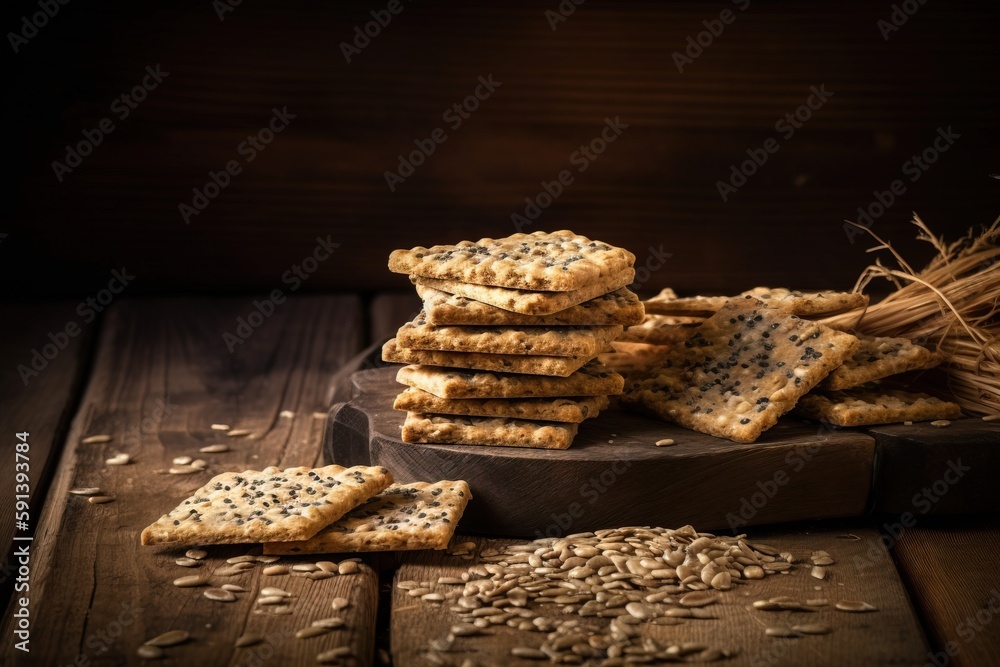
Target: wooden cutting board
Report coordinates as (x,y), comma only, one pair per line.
(614,475)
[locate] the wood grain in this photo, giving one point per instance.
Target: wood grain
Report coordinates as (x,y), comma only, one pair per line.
(389,311)
(162,375)
(863,571)
(656,185)
(960,605)
(614,474)
(42,407)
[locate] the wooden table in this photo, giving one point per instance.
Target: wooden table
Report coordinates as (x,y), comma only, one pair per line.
(155,374)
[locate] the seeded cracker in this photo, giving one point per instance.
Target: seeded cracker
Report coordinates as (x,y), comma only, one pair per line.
(544,409)
(489,431)
(271,505)
(634,357)
(550,341)
(528,302)
(804,304)
(559,261)
(591,380)
(745,366)
(617,307)
(501,363)
(660,330)
(401,518)
(862,406)
(878,357)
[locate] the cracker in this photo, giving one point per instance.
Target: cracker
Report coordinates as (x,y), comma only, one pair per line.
(270,505)
(878,357)
(404,517)
(628,358)
(489,431)
(530,302)
(592,379)
(555,409)
(742,369)
(545,341)
(502,363)
(862,406)
(803,304)
(660,330)
(558,261)
(618,307)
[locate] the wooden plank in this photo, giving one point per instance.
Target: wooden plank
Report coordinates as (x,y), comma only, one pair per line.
(863,571)
(39,402)
(162,376)
(925,469)
(613,474)
(960,605)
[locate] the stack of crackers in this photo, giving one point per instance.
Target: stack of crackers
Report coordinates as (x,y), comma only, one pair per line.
(731,366)
(315,510)
(505,349)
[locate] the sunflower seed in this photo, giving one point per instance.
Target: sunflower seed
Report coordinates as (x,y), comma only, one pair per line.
(234,588)
(340,603)
(272,590)
(319,575)
(238,432)
(855,606)
(780,631)
(149,652)
(248,640)
(201,464)
(812,628)
(241,559)
(234,570)
(327,566)
(172,638)
(348,567)
(183,470)
(940,423)
(666,442)
(432,597)
(697,599)
(214,449)
(196,554)
(304,567)
(991,418)
(464,630)
(191,581)
(311,631)
(220,427)
(182,460)
(329,623)
(817,602)
(95,439)
(220,595)
(275,570)
(100,500)
(270,599)
(267,559)
(753,572)
(86,491)
(334,655)
(118,460)
(187,562)
(818,572)
(529,653)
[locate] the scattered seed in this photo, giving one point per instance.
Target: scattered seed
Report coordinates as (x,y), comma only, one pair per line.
(270,599)
(331,623)
(817,602)
(334,655)
(327,566)
(812,628)
(182,460)
(908,422)
(818,572)
(991,418)
(340,603)
(187,562)
(100,500)
(267,559)
(464,630)
(199,463)
(149,652)
(234,570)
(780,631)
(183,470)
(190,581)
(348,567)
(697,599)
(311,631)
(529,653)
(86,491)
(248,640)
(239,432)
(172,638)
(220,427)
(940,423)
(639,610)
(753,572)
(118,460)
(275,570)
(271,590)
(197,554)
(234,588)
(666,442)
(288,414)
(220,595)
(95,439)
(304,567)
(856,606)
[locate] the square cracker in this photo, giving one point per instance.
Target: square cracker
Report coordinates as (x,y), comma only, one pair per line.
(554,409)
(270,505)
(803,304)
(528,302)
(874,405)
(742,369)
(660,330)
(501,363)
(581,341)
(630,358)
(618,307)
(878,357)
(404,517)
(592,379)
(551,261)
(489,431)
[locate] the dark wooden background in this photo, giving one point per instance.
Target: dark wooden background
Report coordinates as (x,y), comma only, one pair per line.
(655,186)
